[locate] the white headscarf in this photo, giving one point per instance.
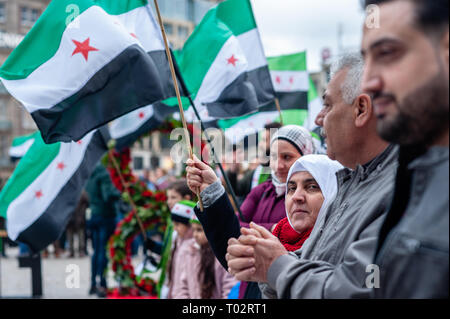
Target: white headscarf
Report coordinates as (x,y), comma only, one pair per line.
(323,170)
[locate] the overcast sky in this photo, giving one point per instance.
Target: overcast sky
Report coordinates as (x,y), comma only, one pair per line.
(289,26)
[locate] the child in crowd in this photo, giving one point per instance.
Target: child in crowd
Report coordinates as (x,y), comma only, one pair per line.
(177,193)
(203,277)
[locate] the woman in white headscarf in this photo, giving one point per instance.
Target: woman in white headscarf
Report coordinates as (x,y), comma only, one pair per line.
(310,189)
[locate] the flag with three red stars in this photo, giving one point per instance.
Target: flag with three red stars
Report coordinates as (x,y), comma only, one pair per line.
(129,128)
(43,191)
(86,63)
(224,65)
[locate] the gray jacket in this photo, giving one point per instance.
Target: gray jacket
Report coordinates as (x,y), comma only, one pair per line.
(413,260)
(335,261)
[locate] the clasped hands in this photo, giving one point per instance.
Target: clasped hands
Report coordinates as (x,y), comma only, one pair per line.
(250,256)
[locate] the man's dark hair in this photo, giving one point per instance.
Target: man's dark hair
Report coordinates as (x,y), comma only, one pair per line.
(272,125)
(431,15)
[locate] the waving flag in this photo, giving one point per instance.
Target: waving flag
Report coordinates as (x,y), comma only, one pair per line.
(21,145)
(41,195)
(224,65)
(296,92)
(130,127)
(75,76)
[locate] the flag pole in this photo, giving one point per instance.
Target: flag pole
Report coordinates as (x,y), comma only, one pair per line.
(216,160)
(177,91)
(277,103)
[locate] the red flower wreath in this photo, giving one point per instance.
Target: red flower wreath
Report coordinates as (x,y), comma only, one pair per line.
(152,211)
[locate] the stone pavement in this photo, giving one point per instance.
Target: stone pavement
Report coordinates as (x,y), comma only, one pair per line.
(62,278)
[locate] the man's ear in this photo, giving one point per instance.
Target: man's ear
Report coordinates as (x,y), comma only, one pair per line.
(362,110)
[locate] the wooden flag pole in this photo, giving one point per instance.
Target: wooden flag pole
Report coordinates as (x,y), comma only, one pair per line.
(177,91)
(277,103)
(228,187)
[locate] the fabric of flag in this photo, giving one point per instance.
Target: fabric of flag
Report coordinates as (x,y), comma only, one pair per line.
(75,73)
(43,191)
(128,128)
(20,145)
(224,65)
(299,101)
(291,80)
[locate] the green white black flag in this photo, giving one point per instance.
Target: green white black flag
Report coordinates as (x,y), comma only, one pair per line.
(224,65)
(76,75)
(43,191)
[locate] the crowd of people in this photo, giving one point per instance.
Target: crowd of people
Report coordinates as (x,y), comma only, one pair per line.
(369,219)
(380,223)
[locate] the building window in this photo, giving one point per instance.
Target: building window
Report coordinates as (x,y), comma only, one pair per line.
(175,9)
(3,110)
(138,163)
(23,16)
(4,148)
(28,16)
(34,15)
(169,28)
(5,122)
(183,32)
(2,12)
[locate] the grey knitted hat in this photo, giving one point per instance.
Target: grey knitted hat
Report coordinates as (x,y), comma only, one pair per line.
(298,136)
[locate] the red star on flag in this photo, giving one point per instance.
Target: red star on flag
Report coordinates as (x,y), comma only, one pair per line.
(133,35)
(80,142)
(141,115)
(232,60)
(84,48)
(278,79)
(291,80)
(38,194)
(61,166)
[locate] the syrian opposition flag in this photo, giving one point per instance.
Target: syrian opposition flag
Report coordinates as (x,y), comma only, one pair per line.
(43,191)
(298,97)
(224,65)
(75,75)
(128,128)
(21,145)
(291,80)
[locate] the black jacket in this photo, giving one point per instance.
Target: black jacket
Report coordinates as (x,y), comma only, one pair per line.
(220,224)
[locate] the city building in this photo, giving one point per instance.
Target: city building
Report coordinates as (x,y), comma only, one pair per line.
(18,16)
(16,19)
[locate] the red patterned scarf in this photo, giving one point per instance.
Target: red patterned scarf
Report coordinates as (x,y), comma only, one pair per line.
(290,239)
